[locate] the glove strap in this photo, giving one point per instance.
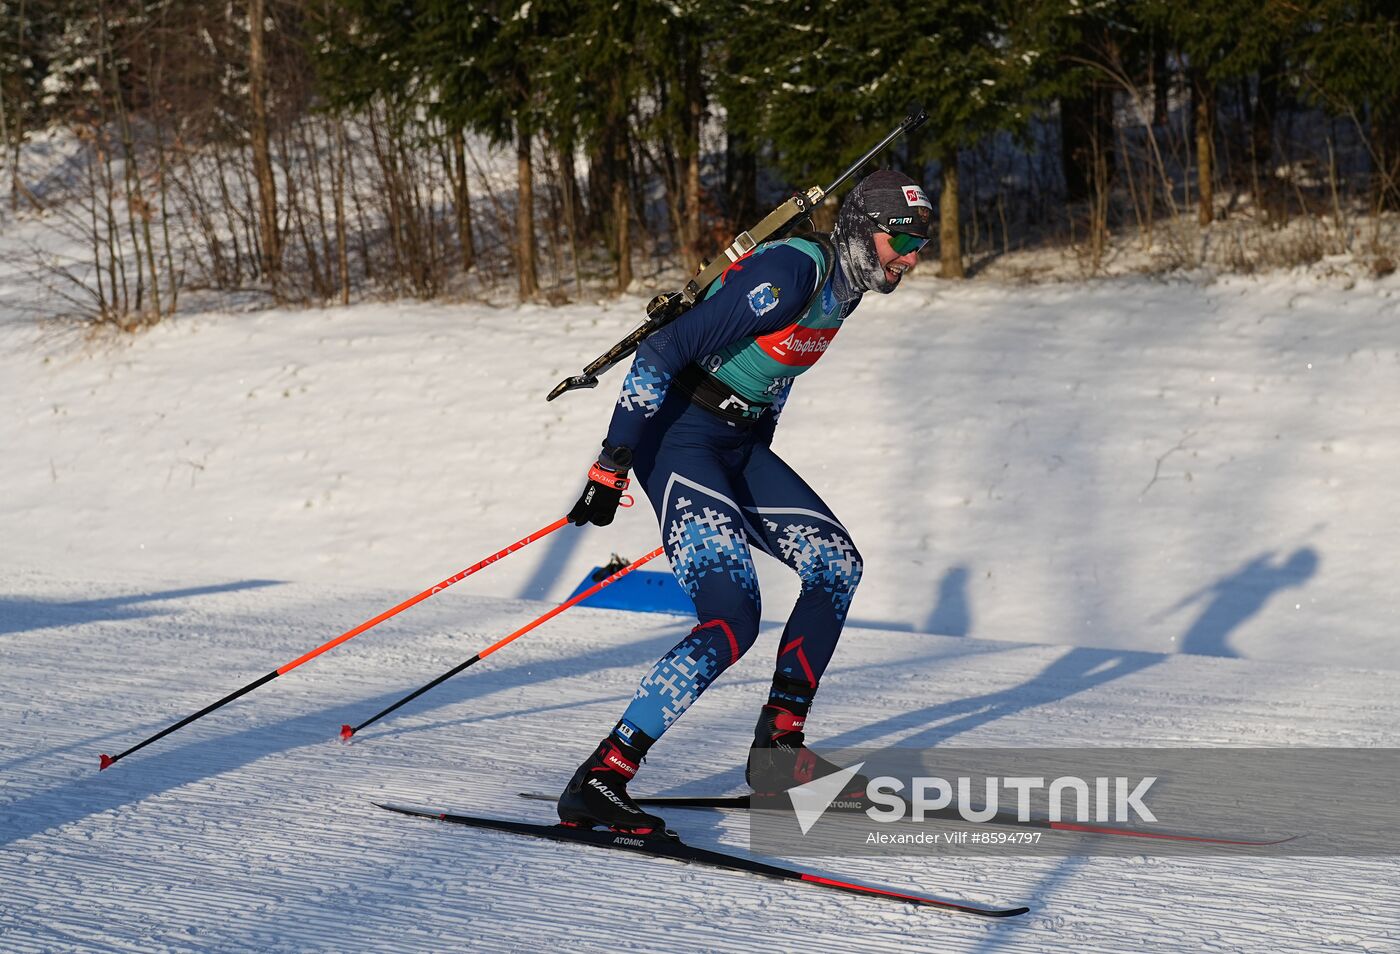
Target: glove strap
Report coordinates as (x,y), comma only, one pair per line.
(608,478)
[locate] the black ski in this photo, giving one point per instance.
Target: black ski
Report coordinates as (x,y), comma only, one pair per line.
(668,846)
(743,803)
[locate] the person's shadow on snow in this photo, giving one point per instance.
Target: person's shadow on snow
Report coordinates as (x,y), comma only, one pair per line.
(1234,598)
(1077,670)
(951,615)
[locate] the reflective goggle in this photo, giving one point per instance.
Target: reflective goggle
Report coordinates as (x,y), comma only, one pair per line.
(903,243)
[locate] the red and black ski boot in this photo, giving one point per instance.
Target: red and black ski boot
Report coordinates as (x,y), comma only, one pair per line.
(779,758)
(597,794)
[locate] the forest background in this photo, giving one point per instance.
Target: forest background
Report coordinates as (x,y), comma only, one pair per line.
(313,151)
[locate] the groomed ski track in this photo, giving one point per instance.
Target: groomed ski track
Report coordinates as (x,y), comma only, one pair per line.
(254,829)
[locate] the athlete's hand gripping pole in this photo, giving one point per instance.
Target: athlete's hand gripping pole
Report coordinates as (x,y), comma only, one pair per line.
(607,479)
(349,634)
(346,731)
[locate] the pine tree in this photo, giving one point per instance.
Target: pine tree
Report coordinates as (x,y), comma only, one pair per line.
(1223,41)
(820,81)
(972,66)
(1349,62)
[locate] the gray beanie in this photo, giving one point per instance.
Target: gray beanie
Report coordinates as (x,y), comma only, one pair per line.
(883,198)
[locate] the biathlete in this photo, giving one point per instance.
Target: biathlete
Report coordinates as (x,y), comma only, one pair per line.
(694,423)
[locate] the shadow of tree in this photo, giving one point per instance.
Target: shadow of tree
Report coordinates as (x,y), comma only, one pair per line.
(170,764)
(25,615)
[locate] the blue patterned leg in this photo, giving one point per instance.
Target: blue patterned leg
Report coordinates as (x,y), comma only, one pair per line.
(787,519)
(705,540)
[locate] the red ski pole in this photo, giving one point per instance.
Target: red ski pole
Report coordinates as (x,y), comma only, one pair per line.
(349,634)
(346,731)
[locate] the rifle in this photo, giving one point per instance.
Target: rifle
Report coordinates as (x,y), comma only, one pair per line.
(668,306)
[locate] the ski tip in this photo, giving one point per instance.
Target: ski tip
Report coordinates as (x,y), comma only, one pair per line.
(106,761)
(345,733)
(414,812)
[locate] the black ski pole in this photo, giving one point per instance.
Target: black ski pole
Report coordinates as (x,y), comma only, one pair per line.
(108,760)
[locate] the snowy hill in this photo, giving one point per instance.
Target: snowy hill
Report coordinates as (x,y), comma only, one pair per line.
(1135,512)
(253,829)
(1133,464)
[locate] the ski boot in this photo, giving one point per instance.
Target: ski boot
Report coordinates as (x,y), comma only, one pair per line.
(779,759)
(597,794)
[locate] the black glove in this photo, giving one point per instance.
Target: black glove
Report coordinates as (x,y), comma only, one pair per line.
(606,482)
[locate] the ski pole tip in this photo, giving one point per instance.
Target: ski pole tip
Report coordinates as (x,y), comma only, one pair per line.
(106,761)
(345,733)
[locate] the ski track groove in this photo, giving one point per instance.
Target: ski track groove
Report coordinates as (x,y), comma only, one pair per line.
(253,829)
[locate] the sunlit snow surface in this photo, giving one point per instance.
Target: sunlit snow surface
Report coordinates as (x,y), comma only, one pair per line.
(1096,492)
(1131,463)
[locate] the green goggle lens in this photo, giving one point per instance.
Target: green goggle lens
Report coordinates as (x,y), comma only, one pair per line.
(903,243)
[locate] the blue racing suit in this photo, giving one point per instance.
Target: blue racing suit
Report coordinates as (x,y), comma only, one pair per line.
(697,410)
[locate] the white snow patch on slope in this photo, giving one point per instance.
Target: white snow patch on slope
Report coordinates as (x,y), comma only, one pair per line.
(1136,464)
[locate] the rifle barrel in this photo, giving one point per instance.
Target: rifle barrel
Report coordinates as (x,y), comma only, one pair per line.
(911,122)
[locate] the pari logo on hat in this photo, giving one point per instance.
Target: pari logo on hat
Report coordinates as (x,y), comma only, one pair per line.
(916,198)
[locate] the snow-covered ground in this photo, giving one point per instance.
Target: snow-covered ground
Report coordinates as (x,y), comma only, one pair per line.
(1095,493)
(1138,464)
(253,830)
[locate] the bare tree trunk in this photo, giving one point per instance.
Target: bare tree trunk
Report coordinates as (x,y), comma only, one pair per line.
(465,237)
(362,227)
(116,257)
(262,154)
(1267,192)
(310,281)
(325,283)
(1161,83)
(569,183)
(525,217)
(5,142)
(693,251)
(163,172)
(96,233)
(622,214)
(17,136)
(1076,129)
(136,205)
(1086,129)
(695,114)
(1385,136)
(234,217)
(598,194)
(554,196)
(740,181)
(1202,95)
(949,231)
(389,194)
(338,195)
